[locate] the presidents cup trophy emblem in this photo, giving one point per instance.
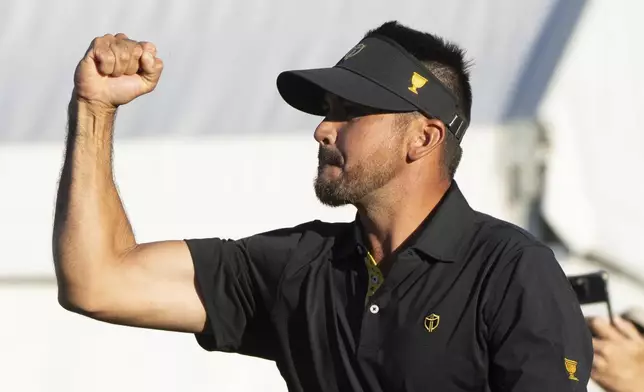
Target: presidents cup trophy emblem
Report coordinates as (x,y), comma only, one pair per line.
(417,81)
(431,322)
(356,49)
(571,368)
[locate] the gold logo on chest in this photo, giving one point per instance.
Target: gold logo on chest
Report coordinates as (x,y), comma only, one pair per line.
(431,322)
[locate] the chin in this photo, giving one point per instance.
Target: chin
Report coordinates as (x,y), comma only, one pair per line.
(328,189)
(333,202)
(329,198)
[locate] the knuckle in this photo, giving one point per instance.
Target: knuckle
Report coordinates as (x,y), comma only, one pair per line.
(124,55)
(105,55)
(107,59)
(137,52)
(148,46)
(100,42)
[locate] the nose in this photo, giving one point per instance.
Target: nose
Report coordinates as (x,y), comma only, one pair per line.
(327,132)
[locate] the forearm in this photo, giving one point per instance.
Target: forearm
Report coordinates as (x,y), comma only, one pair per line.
(91,229)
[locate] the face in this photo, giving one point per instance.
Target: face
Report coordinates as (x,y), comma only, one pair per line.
(361,150)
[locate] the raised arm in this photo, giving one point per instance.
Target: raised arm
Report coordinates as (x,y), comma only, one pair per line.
(101,270)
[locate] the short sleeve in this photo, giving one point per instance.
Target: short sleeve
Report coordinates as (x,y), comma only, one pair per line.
(238,282)
(538,339)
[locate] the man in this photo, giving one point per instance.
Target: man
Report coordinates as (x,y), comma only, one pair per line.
(419,293)
(619,355)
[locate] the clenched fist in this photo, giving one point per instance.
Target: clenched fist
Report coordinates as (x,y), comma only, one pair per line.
(116,70)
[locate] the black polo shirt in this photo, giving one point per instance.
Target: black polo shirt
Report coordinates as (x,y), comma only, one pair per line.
(471,303)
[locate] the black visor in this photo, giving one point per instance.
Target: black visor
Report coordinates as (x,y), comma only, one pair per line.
(377,73)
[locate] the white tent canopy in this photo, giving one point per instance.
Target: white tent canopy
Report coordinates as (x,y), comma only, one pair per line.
(222,57)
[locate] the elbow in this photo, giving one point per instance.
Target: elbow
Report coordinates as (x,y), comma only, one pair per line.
(88,286)
(81,296)
(82,284)
(89,302)
(67,303)
(77,301)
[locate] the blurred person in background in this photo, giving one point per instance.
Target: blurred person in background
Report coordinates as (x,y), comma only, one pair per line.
(618,365)
(420,292)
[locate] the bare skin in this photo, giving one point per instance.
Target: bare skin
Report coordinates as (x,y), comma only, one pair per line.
(105,274)
(102,272)
(618,365)
(371,145)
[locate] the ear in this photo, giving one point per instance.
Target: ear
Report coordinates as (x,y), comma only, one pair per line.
(427,134)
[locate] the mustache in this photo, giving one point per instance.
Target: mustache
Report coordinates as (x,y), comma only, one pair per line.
(328,156)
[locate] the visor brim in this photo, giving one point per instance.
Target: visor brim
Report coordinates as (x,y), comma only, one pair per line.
(305,90)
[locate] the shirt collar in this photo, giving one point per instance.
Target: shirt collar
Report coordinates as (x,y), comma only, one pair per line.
(442,234)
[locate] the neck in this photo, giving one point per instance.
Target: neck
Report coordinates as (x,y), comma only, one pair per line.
(388,221)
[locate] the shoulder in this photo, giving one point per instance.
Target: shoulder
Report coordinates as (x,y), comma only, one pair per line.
(506,237)
(501,242)
(510,254)
(297,241)
(515,257)
(282,252)
(276,243)
(311,232)
(518,270)
(267,254)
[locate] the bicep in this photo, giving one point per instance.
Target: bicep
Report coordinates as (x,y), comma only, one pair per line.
(535,326)
(153,286)
(223,290)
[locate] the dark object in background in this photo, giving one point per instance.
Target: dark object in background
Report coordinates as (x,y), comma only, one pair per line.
(592,289)
(635,316)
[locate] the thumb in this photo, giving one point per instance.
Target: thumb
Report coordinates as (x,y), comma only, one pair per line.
(151,67)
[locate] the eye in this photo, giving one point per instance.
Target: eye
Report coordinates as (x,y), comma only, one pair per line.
(326,108)
(353,110)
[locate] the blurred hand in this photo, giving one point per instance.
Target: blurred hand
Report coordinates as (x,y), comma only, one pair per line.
(116,70)
(618,365)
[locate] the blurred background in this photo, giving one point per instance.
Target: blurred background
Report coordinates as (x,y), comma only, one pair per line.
(553,147)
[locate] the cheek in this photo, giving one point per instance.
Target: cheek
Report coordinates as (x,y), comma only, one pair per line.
(369,140)
(356,142)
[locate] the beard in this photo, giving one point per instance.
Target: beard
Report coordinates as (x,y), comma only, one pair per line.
(354,184)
